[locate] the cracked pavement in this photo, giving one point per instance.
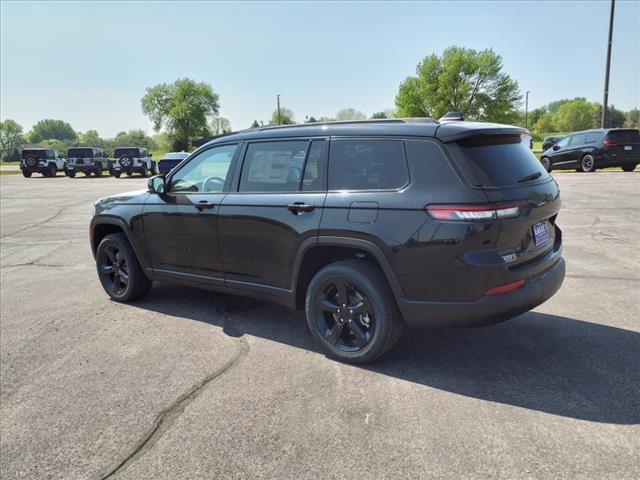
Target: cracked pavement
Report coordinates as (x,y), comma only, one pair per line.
(191,384)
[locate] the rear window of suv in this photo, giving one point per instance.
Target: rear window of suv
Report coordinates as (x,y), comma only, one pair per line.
(497,161)
(367,165)
(80,153)
(624,136)
(126,152)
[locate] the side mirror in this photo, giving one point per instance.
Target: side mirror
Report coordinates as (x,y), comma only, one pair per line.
(556,147)
(155,184)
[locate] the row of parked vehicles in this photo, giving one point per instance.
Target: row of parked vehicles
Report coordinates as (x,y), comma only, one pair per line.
(93,161)
(591,149)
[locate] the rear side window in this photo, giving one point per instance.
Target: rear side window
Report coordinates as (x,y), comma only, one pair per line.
(497,161)
(367,165)
(273,166)
(593,137)
(577,140)
(624,136)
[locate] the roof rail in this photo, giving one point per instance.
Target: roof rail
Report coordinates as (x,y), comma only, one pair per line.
(351,122)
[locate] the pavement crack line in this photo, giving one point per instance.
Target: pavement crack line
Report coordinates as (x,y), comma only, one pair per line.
(170,414)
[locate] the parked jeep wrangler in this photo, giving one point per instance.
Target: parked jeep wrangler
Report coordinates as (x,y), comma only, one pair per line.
(368,226)
(87,160)
(41,160)
(132,160)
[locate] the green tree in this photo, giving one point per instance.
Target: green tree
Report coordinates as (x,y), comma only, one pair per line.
(577,114)
(132,138)
(90,138)
(10,139)
(286,117)
(462,80)
(633,118)
(220,125)
(311,120)
(544,124)
(379,115)
(350,114)
(182,109)
(615,118)
(51,129)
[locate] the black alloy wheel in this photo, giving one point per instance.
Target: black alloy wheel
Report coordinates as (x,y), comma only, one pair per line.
(118,269)
(351,311)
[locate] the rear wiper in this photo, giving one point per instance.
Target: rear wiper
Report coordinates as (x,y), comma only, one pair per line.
(528,178)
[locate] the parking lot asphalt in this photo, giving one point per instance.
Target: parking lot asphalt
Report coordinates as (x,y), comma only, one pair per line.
(191,384)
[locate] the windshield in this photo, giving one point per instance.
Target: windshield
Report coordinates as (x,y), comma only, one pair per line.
(497,161)
(624,136)
(80,153)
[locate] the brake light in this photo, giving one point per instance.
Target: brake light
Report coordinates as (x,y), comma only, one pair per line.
(474,212)
(508,287)
(609,143)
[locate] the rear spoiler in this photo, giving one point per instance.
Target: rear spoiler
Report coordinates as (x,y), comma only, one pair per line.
(448,135)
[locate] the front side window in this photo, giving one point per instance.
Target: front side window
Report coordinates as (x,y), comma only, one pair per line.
(204,173)
(273,166)
(577,140)
(367,165)
(564,142)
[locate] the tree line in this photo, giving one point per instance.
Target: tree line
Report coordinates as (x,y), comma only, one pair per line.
(460,79)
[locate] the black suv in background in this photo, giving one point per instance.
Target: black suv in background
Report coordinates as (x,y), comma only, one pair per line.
(368,226)
(549,142)
(591,149)
(87,160)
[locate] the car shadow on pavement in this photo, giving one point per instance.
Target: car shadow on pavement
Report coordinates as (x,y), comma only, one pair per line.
(547,363)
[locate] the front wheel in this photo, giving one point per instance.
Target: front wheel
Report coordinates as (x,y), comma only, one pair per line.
(118,269)
(587,164)
(628,168)
(70,173)
(546,163)
(351,311)
(26,173)
(52,170)
(99,171)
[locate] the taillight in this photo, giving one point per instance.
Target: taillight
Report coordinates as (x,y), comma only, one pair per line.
(609,143)
(474,212)
(508,287)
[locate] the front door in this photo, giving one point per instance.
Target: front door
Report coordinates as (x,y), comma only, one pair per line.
(277,205)
(181,225)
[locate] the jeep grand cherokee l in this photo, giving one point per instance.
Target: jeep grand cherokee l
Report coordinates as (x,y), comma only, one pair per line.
(367,226)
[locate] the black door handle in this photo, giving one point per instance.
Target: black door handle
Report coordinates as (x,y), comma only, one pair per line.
(300,207)
(204,205)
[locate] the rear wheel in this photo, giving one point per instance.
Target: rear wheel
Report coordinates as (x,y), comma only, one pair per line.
(143,172)
(99,171)
(52,170)
(628,168)
(87,173)
(26,173)
(587,164)
(118,269)
(70,173)
(117,173)
(351,311)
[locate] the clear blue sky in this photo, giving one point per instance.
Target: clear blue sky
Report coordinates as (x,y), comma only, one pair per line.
(89,63)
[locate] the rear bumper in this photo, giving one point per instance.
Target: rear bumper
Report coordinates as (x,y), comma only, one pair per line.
(83,168)
(488,309)
(36,169)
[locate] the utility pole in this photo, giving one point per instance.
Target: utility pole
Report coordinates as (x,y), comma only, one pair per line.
(606,75)
(526,109)
(279,118)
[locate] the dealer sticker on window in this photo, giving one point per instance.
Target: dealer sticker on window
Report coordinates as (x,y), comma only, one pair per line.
(540,233)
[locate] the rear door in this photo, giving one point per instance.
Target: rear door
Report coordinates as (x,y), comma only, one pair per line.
(275,205)
(508,173)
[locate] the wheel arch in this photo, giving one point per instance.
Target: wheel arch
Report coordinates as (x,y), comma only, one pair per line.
(317,252)
(103,226)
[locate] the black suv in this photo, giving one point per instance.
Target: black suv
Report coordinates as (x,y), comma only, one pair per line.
(368,226)
(87,160)
(591,149)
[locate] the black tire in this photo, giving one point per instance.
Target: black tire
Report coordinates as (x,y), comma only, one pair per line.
(70,173)
(26,173)
(153,170)
(546,163)
(628,168)
(129,173)
(587,164)
(344,334)
(52,170)
(118,269)
(143,173)
(87,173)
(31,161)
(99,171)
(117,173)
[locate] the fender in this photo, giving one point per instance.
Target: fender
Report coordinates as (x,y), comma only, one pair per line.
(358,243)
(104,220)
